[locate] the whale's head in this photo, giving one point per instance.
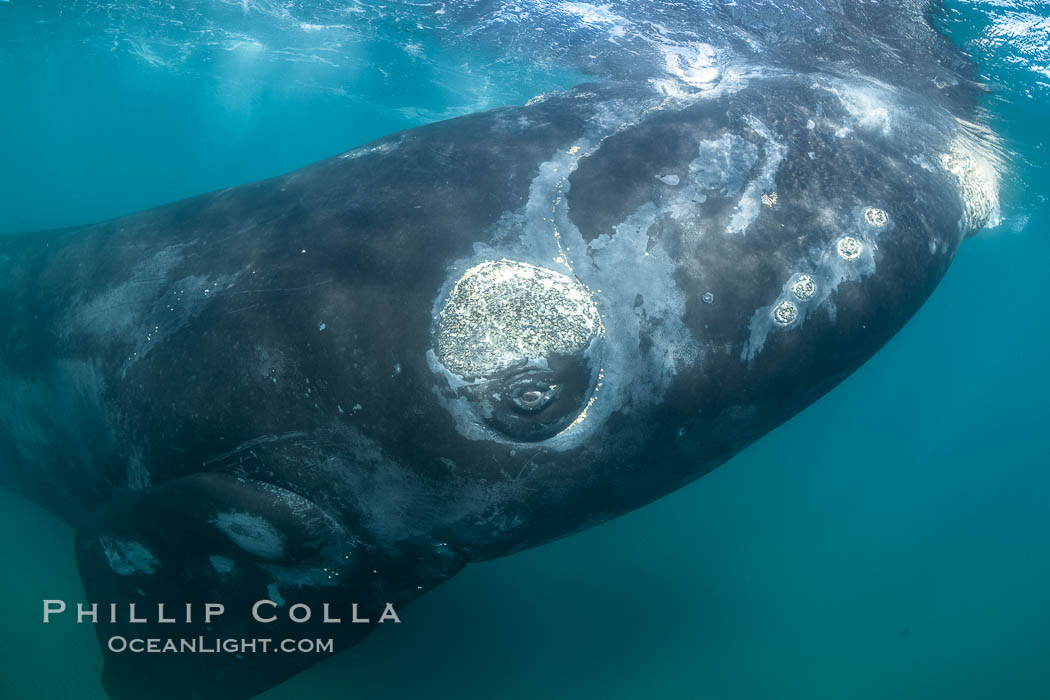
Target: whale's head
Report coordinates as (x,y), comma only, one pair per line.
(686,274)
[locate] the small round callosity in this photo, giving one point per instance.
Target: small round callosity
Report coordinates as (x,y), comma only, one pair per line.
(875,217)
(708,298)
(804,287)
(785,313)
(849,247)
(503,312)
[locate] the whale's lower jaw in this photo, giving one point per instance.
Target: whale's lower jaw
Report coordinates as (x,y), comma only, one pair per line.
(210,558)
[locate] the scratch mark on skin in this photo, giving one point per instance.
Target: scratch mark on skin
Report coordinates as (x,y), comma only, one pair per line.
(526,465)
(245,308)
(254,442)
(278,290)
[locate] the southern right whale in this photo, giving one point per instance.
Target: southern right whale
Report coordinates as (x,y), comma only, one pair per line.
(343,384)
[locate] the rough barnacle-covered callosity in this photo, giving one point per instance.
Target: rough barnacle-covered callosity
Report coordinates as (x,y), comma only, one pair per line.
(785,313)
(849,247)
(804,287)
(875,216)
(504,312)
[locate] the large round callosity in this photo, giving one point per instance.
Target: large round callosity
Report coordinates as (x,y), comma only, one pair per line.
(504,312)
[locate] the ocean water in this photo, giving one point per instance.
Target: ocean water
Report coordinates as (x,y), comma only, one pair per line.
(890,541)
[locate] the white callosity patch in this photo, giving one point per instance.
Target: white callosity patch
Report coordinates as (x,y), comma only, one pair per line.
(127,557)
(620,267)
(147,308)
(849,248)
(804,287)
(978,183)
(623,266)
(502,313)
(875,216)
(631,266)
(849,257)
(534,227)
(870,104)
(117,310)
(221,564)
(784,313)
(251,533)
(723,164)
(764,181)
(873,106)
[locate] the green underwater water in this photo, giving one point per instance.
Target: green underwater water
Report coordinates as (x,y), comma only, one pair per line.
(890,541)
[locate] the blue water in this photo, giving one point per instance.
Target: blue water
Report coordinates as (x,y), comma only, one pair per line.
(890,541)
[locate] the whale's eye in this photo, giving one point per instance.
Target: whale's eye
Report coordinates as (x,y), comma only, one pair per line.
(533,397)
(524,343)
(530,404)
